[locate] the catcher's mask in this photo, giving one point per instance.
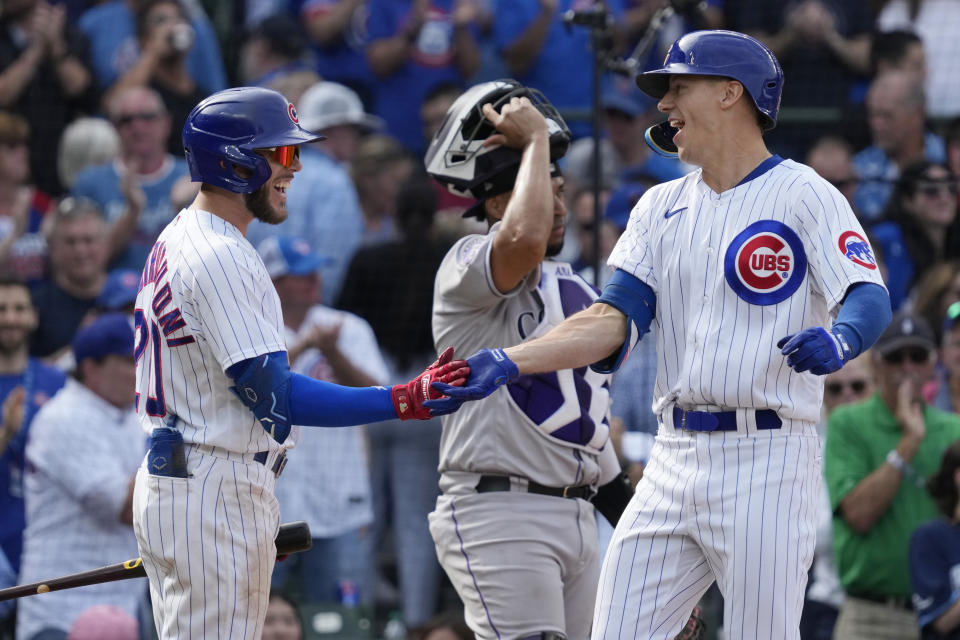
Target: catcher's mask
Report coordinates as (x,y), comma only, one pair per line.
(457,158)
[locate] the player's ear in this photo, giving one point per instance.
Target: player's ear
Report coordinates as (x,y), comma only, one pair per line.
(731,93)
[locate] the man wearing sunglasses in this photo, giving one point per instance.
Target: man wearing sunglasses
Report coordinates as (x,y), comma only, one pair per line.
(214,386)
(878,454)
(137,192)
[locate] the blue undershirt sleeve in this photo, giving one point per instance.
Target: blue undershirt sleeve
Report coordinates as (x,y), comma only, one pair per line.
(863,316)
(635,299)
(280,398)
(314,403)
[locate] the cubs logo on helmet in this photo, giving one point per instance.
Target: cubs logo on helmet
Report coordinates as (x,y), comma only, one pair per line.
(765,263)
(292,112)
(857,250)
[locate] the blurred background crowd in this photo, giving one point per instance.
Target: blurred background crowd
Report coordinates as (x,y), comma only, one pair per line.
(93,96)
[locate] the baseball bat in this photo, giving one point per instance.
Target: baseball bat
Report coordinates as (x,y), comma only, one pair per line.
(292,537)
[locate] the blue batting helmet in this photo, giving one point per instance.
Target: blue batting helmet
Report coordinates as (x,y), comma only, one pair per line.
(723,53)
(223,130)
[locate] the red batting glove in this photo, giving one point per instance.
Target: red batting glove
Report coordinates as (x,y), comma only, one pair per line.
(408,398)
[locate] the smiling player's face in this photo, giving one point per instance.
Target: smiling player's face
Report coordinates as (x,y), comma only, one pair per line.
(269,202)
(692,106)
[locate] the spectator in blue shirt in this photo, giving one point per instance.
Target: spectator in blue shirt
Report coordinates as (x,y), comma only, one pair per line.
(25,384)
(542,52)
(935,555)
(896,114)
(337,30)
(136,192)
(166,38)
(415,45)
(114,49)
(274,48)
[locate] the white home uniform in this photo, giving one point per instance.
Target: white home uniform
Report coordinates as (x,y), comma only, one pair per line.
(206,303)
(81,454)
(522,563)
(733,273)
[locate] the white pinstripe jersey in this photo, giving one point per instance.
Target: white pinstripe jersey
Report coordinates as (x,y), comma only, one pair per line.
(734,273)
(205,303)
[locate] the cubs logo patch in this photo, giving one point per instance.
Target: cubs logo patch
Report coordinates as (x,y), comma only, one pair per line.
(856,249)
(292,112)
(765,263)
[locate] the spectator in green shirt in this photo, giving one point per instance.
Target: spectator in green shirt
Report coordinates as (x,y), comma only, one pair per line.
(878,455)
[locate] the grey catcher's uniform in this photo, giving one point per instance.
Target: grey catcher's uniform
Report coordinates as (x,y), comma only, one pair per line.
(522,563)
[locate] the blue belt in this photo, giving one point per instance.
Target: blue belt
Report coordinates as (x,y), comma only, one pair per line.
(278,464)
(721,420)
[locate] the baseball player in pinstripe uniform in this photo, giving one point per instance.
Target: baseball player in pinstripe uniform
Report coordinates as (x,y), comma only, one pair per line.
(759,281)
(214,387)
(530,461)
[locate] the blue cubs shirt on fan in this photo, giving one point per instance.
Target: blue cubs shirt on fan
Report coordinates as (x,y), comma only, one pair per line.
(40,383)
(344,61)
(935,574)
(114,49)
(564,65)
(102,185)
(431,63)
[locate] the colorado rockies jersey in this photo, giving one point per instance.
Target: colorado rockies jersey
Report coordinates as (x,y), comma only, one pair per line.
(551,428)
(205,297)
(734,273)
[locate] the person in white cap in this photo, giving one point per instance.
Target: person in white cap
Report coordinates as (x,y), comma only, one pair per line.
(331,221)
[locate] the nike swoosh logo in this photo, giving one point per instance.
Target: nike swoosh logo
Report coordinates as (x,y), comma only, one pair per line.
(670,214)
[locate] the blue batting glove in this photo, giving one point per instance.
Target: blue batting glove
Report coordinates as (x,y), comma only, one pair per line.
(443,406)
(489,369)
(815,350)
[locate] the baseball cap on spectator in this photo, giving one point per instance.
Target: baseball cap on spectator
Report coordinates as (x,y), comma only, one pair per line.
(905,330)
(621,203)
(328,104)
(120,289)
(285,35)
(952,318)
(104,622)
(283,255)
(109,334)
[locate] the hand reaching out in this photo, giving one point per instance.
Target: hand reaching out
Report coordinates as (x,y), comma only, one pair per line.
(420,400)
(488,369)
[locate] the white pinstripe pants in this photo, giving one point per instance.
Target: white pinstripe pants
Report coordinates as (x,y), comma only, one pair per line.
(739,509)
(207,544)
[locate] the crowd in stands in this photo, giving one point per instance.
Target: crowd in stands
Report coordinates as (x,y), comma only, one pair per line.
(93,96)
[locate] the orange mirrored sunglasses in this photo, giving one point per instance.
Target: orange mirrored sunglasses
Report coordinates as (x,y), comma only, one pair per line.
(284,155)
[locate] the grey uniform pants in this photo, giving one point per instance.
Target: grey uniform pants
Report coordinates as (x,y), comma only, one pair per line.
(521,563)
